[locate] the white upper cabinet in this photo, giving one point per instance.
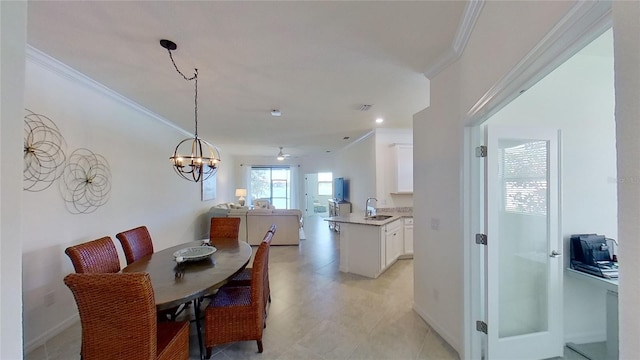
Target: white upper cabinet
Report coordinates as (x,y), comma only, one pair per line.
(402,169)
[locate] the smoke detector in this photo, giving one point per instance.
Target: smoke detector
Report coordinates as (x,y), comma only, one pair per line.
(365,107)
(276,112)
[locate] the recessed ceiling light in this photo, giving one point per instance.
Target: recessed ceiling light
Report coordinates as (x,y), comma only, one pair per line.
(275,112)
(379,120)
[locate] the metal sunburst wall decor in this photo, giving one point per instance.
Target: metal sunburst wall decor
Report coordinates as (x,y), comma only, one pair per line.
(86,182)
(44,152)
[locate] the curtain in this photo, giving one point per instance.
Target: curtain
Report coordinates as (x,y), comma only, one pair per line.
(246,178)
(294,174)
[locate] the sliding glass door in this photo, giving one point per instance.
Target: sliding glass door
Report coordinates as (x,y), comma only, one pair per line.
(272,183)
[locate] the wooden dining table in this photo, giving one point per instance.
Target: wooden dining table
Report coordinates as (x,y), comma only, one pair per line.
(176,284)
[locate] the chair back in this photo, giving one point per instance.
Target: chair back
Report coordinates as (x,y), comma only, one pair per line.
(224,227)
(268,237)
(266,292)
(258,280)
(136,243)
(117,314)
(96,256)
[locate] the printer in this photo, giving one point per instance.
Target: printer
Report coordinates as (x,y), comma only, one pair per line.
(590,253)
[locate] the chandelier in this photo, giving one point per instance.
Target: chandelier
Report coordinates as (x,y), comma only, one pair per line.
(194,159)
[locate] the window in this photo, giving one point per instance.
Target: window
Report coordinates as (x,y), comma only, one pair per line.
(272,183)
(524,177)
(325,185)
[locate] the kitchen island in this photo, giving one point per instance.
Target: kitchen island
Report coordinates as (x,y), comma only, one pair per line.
(369,246)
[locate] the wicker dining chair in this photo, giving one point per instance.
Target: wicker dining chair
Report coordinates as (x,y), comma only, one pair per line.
(237,313)
(118,319)
(96,256)
(224,227)
(243,278)
(136,243)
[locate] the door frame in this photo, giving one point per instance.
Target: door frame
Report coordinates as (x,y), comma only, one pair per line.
(582,24)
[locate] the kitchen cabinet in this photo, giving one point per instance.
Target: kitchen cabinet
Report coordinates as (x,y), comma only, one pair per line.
(402,169)
(394,243)
(408,238)
(362,249)
(368,250)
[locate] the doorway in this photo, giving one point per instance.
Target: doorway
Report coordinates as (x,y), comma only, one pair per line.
(577,97)
(318,191)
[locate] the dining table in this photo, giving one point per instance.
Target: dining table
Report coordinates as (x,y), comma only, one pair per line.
(177,283)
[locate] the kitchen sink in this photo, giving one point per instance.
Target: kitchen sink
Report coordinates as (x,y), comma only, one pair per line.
(378,217)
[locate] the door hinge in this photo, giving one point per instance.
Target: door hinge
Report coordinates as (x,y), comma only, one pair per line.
(481,239)
(481,151)
(481,326)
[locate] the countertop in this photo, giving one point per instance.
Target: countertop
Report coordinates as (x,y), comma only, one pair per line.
(358,218)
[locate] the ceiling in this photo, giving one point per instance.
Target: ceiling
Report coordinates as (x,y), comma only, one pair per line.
(317,62)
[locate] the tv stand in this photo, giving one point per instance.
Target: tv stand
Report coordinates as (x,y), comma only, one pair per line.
(338,208)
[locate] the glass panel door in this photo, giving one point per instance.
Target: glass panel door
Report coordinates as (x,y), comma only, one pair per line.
(524,278)
(273,184)
(524,234)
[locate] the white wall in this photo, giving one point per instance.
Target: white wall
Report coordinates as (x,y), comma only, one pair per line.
(227,180)
(503,34)
(318,163)
(357,164)
(578,98)
(13,34)
(626,32)
(145,190)
(437,155)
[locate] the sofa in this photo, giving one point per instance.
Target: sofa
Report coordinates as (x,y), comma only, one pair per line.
(256,222)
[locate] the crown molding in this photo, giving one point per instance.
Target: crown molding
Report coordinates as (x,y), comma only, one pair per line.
(585,21)
(465,28)
(40,58)
(362,138)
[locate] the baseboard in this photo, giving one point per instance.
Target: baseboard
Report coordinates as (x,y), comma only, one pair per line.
(585,337)
(47,335)
(439,329)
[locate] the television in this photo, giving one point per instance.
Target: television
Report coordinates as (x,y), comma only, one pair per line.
(341,189)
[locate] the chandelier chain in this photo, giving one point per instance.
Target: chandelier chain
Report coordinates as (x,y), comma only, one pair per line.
(194,77)
(195,108)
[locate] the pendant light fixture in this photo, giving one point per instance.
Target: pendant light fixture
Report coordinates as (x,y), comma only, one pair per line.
(194,159)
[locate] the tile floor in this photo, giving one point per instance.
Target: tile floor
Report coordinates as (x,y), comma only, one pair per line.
(319,313)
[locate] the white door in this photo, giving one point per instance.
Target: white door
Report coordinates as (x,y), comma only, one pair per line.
(523,266)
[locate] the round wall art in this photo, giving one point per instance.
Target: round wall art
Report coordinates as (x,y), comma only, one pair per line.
(86,182)
(44,149)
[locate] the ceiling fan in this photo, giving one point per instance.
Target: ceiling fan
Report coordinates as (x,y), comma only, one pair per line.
(281,155)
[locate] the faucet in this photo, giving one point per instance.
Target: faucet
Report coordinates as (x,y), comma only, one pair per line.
(371,212)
